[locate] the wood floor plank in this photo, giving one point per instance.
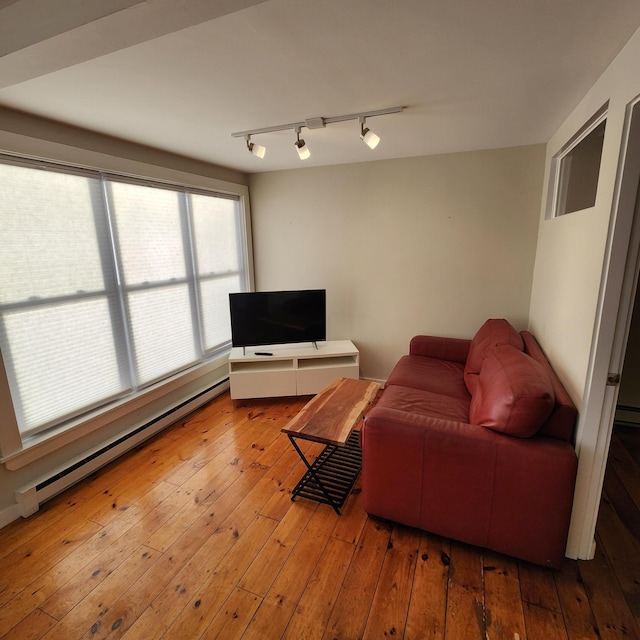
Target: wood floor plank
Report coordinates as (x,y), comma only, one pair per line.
(256,485)
(36,592)
(197,507)
(95,568)
(225,489)
(133,614)
(14,612)
(192,442)
(280,501)
(626,467)
(538,587)
(543,624)
(277,607)
(122,494)
(353,517)
(617,494)
(353,605)
(574,601)
(22,531)
(153,601)
(262,572)
(542,608)
(78,575)
(393,593)
(79,586)
(465,600)
(428,606)
(86,616)
(232,620)
(33,627)
(504,615)
(36,561)
(276,449)
(312,612)
(266,487)
(621,547)
(197,616)
(610,609)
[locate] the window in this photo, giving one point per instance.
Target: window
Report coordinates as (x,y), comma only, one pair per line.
(108,285)
(576,169)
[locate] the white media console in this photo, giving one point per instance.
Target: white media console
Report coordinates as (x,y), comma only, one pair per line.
(292,369)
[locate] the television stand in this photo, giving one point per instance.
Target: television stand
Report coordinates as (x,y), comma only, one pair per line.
(291,370)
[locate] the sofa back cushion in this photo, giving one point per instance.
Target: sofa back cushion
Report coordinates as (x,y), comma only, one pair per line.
(493,333)
(561,424)
(514,394)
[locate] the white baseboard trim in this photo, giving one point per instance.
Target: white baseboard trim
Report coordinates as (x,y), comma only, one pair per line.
(9,514)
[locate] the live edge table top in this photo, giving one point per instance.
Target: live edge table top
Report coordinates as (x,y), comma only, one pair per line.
(333,413)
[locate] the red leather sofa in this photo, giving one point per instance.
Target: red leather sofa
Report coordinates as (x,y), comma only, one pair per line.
(471,440)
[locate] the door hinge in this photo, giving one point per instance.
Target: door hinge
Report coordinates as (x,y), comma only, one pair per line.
(613,379)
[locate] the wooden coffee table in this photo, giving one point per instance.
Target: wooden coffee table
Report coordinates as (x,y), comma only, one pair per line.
(330,418)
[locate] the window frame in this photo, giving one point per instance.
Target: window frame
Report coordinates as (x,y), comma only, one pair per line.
(555,173)
(13,443)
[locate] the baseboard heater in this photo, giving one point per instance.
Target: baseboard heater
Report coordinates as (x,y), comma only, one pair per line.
(627,416)
(31,496)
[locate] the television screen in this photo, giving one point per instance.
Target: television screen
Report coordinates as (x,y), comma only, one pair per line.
(278,317)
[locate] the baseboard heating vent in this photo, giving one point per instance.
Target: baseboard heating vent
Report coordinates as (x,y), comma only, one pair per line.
(31,496)
(627,416)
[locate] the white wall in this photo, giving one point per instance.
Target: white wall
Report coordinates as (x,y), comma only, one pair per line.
(419,245)
(567,285)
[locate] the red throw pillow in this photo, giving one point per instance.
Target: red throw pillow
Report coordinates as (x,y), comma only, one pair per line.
(493,333)
(514,394)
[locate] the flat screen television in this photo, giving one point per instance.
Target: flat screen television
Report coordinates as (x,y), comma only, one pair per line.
(278,317)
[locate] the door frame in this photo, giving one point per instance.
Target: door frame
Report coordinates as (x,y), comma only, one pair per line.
(618,284)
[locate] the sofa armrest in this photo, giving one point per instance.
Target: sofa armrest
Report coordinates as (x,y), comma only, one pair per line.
(452,349)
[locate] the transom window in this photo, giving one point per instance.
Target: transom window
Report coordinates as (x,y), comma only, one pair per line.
(108,285)
(575,170)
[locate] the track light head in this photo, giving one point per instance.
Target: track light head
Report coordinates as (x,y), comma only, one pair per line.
(367,136)
(301,146)
(256,149)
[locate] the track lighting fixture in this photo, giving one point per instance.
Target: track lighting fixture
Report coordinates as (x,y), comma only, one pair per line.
(301,146)
(370,138)
(256,149)
(367,136)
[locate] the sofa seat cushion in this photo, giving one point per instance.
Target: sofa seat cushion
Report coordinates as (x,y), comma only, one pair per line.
(493,333)
(514,394)
(430,374)
(426,403)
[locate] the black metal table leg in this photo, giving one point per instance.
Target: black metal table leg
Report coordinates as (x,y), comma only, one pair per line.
(330,478)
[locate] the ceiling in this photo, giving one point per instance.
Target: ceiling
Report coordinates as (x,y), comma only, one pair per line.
(182,75)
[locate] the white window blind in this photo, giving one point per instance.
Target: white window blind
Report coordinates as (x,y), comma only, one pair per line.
(150,229)
(219,254)
(107,286)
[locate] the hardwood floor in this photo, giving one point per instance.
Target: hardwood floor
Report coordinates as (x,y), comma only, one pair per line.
(193,535)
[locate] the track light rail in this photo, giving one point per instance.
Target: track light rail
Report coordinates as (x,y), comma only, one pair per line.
(312,123)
